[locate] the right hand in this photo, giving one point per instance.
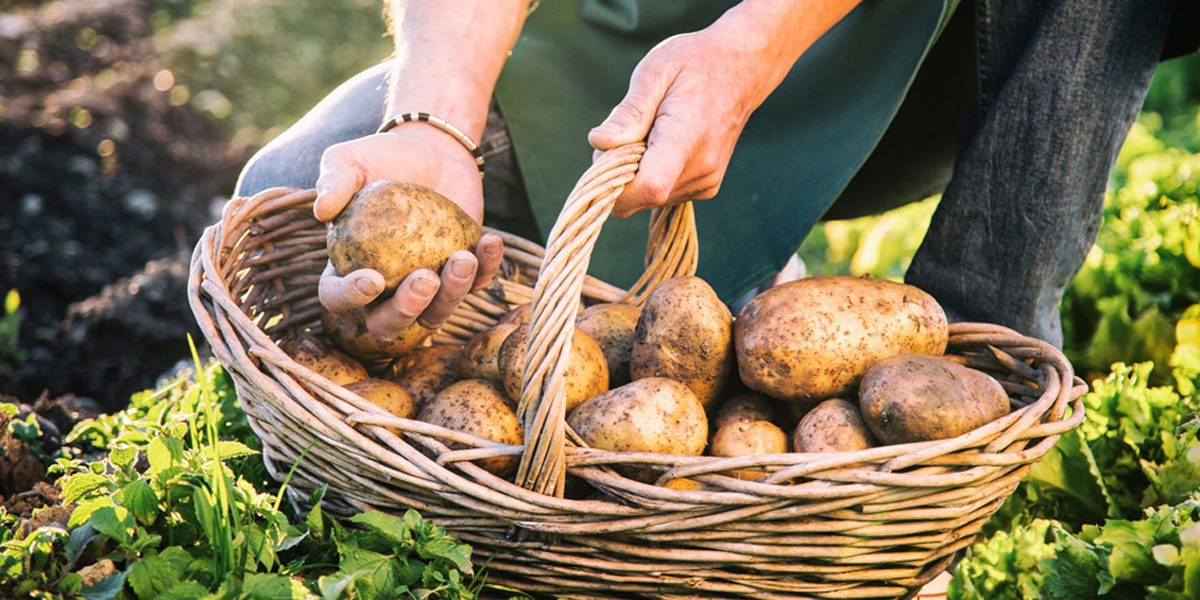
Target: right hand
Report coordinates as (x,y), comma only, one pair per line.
(419,154)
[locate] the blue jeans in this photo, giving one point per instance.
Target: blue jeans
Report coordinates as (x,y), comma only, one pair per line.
(1017,115)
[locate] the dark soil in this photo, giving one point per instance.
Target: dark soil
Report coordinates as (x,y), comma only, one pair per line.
(105,185)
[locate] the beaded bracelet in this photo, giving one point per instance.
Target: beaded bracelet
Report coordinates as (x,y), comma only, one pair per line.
(440,123)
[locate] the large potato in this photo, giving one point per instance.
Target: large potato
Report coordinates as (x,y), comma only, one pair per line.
(586,375)
(348,331)
(913,398)
(426,371)
(397,228)
(811,339)
(653,414)
(834,425)
(480,358)
(482,409)
(613,326)
(685,334)
(311,352)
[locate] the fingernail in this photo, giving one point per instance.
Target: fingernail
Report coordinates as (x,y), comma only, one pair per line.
(365,287)
(461,269)
(424,287)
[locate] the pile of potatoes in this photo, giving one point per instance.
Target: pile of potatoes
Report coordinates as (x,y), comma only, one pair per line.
(822,364)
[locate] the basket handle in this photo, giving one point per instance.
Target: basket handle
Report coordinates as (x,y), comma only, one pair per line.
(671,251)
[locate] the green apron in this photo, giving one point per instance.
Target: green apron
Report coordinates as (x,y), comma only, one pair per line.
(798,151)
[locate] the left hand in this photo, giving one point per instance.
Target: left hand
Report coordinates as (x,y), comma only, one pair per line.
(691,95)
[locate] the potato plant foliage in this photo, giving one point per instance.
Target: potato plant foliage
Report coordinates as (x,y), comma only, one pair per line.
(181,508)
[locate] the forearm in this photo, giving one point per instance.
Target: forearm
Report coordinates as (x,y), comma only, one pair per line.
(779,32)
(449,55)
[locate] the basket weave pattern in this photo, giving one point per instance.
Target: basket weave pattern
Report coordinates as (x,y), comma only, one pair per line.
(877,523)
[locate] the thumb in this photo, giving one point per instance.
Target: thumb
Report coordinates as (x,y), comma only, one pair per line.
(630,120)
(339,180)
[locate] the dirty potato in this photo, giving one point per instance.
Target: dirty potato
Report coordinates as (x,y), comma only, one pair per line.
(613,326)
(425,371)
(834,425)
(482,409)
(913,398)
(653,414)
(586,375)
(480,358)
(397,228)
(334,365)
(811,339)
(685,334)
(348,331)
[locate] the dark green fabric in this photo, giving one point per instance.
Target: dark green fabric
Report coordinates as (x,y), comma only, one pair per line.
(797,152)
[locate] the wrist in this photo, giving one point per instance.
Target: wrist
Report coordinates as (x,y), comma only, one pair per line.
(444,127)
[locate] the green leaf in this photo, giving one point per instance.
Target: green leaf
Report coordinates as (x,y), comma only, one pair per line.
(1070,470)
(272,586)
(392,528)
(156,572)
(123,457)
(141,501)
(115,522)
(1075,570)
(105,589)
(78,540)
(227,449)
(164,454)
(1130,558)
(77,486)
(184,590)
(448,549)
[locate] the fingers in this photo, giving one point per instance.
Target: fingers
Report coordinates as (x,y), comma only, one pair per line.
(630,120)
(357,289)
(395,314)
(457,277)
(489,252)
(340,178)
(660,169)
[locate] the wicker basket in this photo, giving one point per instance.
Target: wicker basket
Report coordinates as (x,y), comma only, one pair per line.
(877,523)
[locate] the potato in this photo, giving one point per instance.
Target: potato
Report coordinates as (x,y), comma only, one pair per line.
(913,398)
(586,376)
(348,331)
(744,408)
(426,371)
(613,326)
(653,414)
(480,358)
(834,425)
(482,409)
(748,439)
(397,228)
(811,339)
(387,395)
(517,316)
(311,352)
(684,334)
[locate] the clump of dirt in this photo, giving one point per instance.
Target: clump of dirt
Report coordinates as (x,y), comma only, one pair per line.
(109,179)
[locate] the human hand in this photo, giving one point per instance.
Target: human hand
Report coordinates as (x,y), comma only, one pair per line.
(422,155)
(690,97)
